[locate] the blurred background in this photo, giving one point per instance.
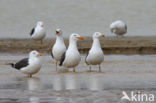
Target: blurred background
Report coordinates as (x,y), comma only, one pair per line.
(18,17)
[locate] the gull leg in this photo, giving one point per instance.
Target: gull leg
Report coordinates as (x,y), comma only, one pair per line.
(56,65)
(99,68)
(29,75)
(74,69)
(90,68)
(66,69)
(41,41)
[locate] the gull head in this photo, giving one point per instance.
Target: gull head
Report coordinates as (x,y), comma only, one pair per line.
(34,53)
(98,34)
(58,31)
(40,23)
(76,37)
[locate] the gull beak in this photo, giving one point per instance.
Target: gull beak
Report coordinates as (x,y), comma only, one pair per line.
(102,35)
(81,37)
(41,25)
(57,32)
(39,54)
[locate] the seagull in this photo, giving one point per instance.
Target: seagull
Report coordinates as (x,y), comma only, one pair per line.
(29,65)
(95,55)
(59,47)
(71,58)
(38,33)
(119,28)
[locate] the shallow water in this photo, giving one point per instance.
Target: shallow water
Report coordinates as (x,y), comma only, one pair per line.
(119,72)
(79,16)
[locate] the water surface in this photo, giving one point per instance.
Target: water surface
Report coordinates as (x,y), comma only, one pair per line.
(119,72)
(79,16)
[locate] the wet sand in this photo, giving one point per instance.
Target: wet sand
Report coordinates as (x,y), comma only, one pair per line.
(119,72)
(110,45)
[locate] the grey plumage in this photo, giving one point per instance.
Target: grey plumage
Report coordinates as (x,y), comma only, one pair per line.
(118,27)
(32,32)
(22,63)
(62,59)
(52,54)
(86,58)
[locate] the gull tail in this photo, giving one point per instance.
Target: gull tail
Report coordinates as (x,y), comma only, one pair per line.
(12,64)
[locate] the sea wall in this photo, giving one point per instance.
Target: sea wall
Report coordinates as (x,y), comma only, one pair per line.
(110,45)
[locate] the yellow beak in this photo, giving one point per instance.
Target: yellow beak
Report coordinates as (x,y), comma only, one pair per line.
(39,54)
(102,35)
(57,32)
(81,37)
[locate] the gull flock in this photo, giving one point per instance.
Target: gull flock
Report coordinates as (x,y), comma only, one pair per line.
(66,57)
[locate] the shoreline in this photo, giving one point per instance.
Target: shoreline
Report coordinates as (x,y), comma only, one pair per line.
(110,45)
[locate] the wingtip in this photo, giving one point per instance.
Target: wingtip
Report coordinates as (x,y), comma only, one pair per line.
(60,64)
(12,64)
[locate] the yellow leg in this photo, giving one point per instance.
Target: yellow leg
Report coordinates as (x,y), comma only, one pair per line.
(29,75)
(90,68)
(73,69)
(99,68)
(41,41)
(56,65)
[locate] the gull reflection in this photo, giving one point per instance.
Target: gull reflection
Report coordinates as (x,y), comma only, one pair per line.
(71,82)
(34,99)
(75,81)
(95,83)
(33,83)
(58,83)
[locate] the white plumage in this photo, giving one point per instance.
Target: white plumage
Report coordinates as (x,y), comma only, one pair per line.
(95,55)
(29,65)
(59,47)
(38,33)
(71,57)
(119,28)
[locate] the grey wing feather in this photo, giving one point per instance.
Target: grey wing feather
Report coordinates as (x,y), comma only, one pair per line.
(22,63)
(86,58)
(62,59)
(32,32)
(52,54)
(126,27)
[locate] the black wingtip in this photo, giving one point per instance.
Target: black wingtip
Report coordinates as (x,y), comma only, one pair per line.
(86,59)
(62,59)
(32,31)
(52,54)
(61,62)
(86,62)
(12,64)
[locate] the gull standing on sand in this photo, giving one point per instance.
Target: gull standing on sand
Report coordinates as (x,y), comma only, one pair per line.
(59,47)
(119,28)
(38,33)
(71,58)
(95,55)
(29,65)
